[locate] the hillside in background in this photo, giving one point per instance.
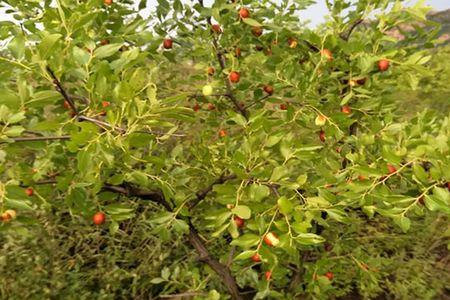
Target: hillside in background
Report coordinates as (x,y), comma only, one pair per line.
(442,17)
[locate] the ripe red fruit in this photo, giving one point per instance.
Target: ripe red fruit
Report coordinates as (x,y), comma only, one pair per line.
(234,77)
(106,103)
(239,222)
(196,107)
(383,65)
(322,135)
(257,31)
(328,247)
(362,177)
(268,89)
(244,13)
(211,106)
(66,105)
(107,2)
(29,191)
(271,239)
(448,185)
(237,52)
(327,54)
(211,71)
(346,109)
(268,275)
(99,218)
(256,257)
(283,106)
(167,44)
(216,28)
(329,275)
(391,169)
(222,133)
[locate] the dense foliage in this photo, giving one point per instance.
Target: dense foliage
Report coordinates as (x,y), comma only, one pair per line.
(220,152)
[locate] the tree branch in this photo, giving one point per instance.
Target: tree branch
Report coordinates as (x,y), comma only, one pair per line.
(196,241)
(222,61)
(131,191)
(221,270)
(346,36)
(62,91)
(200,195)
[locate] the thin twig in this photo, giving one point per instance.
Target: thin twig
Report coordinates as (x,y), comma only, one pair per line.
(257,101)
(181,295)
(38,138)
(346,36)
(221,60)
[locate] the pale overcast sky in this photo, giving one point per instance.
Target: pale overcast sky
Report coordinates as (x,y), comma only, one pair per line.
(316,12)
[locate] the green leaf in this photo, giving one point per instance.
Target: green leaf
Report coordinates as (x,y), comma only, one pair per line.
(242,211)
(278,173)
(106,50)
(247,240)
(9,98)
(138,177)
(337,214)
(442,194)
(47,44)
(285,205)
(113,227)
(420,174)
(46,97)
(13,131)
(85,162)
(258,192)
(347,98)
(245,255)
(309,239)
(18,204)
(81,56)
(15,118)
(301,179)
(252,22)
(403,222)
(17,46)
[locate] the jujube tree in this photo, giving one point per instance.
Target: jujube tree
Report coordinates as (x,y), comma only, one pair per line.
(265,145)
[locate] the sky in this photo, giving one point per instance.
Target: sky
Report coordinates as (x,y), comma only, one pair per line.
(315,13)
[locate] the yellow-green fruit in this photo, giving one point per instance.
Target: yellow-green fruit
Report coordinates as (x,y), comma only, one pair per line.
(207,90)
(320,120)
